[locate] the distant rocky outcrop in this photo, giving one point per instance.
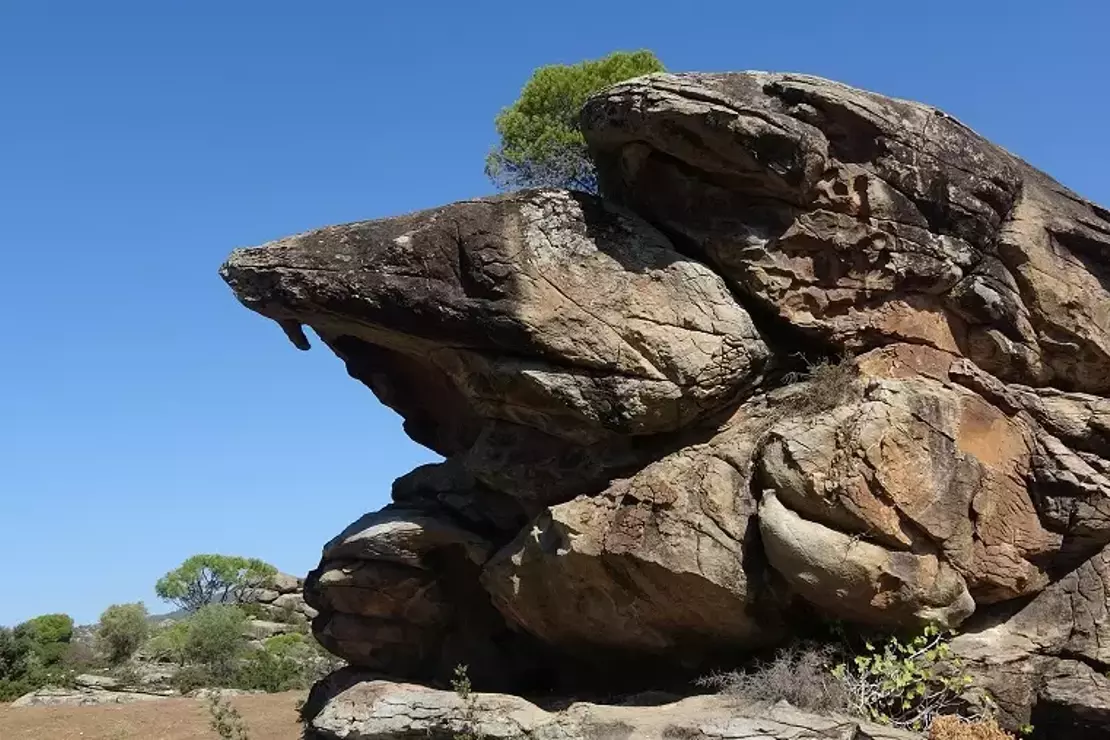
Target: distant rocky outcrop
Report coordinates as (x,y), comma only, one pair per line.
(656,457)
(91,690)
(282,600)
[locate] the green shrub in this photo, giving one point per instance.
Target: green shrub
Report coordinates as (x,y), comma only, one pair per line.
(465,691)
(285,662)
(262,670)
(17,665)
(215,639)
(32,655)
(121,630)
(905,684)
(168,643)
(192,677)
(49,637)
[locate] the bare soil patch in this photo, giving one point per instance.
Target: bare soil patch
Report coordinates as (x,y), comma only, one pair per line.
(269,717)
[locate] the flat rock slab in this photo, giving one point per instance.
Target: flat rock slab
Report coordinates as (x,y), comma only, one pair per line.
(383,710)
(54,697)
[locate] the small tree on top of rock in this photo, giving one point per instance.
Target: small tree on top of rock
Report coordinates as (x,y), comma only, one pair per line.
(541,143)
(213,579)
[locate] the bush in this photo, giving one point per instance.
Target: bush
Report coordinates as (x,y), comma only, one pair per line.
(801,676)
(80,656)
(121,630)
(168,643)
(905,684)
(225,720)
(17,664)
(215,639)
(284,663)
(951,727)
(541,142)
(264,671)
(192,677)
(49,637)
(32,655)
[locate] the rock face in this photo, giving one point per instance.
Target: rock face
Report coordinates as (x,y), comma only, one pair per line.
(652,454)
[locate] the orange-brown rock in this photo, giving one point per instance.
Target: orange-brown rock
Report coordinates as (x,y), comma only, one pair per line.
(810,352)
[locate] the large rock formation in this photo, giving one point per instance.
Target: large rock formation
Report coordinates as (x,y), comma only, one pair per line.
(654,456)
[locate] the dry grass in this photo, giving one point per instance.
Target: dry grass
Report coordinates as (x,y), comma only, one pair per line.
(824,386)
(799,675)
(949,727)
(269,717)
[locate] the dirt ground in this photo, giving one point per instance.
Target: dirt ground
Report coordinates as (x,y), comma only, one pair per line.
(268,717)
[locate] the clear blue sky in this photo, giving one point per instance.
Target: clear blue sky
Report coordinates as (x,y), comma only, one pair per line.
(145,416)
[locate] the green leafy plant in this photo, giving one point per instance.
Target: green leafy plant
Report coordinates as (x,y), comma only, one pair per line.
(49,636)
(192,677)
(225,720)
(215,640)
(213,579)
(282,664)
(465,691)
(905,684)
(33,654)
(17,665)
(121,630)
(169,642)
(541,142)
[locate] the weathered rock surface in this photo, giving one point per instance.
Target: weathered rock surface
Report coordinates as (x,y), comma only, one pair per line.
(658,563)
(862,220)
(86,696)
(353,709)
(283,600)
(638,462)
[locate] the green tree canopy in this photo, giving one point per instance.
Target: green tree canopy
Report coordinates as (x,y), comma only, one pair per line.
(121,630)
(213,579)
(47,628)
(48,636)
(17,664)
(541,142)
